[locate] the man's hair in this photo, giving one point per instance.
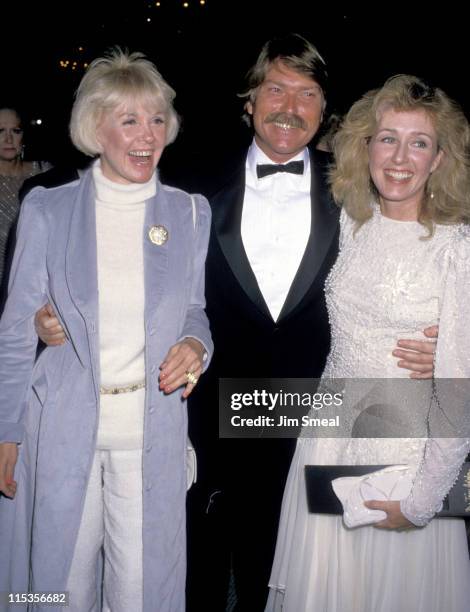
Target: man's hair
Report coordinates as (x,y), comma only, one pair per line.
(447,194)
(109,81)
(296,53)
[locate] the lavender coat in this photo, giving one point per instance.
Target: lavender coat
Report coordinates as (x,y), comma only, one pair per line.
(52,407)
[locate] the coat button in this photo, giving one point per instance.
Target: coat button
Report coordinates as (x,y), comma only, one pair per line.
(148,486)
(152,409)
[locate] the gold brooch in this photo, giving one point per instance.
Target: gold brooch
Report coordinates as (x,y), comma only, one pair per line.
(158,234)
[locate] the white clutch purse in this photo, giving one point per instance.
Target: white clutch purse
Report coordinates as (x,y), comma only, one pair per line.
(391,483)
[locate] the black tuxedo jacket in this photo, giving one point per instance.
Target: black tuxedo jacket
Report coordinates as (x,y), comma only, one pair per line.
(248,342)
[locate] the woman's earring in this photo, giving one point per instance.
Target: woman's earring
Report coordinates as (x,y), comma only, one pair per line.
(430,191)
(22,153)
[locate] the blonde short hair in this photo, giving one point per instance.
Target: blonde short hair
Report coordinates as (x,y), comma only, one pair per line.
(447,195)
(110,81)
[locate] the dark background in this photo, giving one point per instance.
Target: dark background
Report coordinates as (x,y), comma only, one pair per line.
(203,51)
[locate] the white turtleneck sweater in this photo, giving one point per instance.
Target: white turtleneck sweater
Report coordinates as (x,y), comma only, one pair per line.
(120,214)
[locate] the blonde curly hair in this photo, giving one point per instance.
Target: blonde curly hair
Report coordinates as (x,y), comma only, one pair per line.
(447,194)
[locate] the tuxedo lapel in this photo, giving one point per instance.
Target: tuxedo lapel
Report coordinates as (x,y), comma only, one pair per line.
(323,230)
(227,208)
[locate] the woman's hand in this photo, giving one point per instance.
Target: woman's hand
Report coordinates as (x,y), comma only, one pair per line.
(8,457)
(395,519)
(48,327)
(182,366)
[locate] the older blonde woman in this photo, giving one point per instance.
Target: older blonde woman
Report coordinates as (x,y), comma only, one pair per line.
(93,436)
(402,177)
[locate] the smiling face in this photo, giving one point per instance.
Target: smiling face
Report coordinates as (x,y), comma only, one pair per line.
(132,137)
(286,113)
(402,154)
(11,135)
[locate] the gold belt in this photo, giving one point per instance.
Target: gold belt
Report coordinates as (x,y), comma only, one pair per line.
(126,389)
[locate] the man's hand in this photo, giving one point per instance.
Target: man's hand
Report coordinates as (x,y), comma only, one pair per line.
(8,458)
(418,355)
(182,365)
(48,327)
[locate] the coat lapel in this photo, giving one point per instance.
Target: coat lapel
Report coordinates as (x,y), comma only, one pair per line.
(81,265)
(157,213)
(81,268)
(323,230)
(227,208)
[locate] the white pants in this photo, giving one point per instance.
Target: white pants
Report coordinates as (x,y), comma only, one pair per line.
(112,523)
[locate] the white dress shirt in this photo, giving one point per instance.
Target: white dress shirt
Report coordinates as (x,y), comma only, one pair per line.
(275,225)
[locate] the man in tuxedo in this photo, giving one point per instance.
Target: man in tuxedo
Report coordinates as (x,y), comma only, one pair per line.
(273,242)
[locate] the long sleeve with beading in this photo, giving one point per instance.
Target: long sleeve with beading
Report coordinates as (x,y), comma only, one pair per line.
(450,412)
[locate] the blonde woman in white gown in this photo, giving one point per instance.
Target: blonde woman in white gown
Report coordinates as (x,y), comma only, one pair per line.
(402,177)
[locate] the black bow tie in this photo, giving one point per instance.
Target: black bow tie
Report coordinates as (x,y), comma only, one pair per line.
(294,167)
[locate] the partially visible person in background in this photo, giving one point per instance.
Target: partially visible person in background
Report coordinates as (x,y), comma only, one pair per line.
(13,171)
(328,130)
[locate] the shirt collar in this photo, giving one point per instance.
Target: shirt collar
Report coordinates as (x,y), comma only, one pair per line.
(257,156)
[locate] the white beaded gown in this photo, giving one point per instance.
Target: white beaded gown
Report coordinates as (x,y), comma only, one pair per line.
(387,284)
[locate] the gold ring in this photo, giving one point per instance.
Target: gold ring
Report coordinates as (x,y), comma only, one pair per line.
(191,378)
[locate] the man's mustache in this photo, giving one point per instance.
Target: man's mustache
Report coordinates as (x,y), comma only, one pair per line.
(287,119)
